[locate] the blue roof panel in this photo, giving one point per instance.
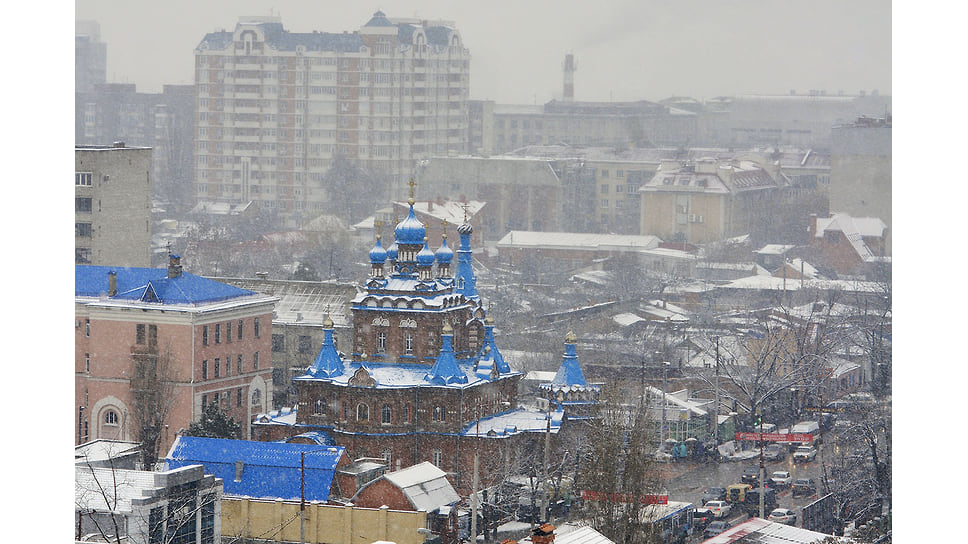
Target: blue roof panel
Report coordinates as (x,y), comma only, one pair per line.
(268,469)
(152,285)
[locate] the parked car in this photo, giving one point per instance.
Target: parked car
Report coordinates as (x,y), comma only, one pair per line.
(774,452)
(804,454)
(720,509)
(781,479)
(783,515)
(715,528)
(804,486)
(751,476)
(714,494)
(702,517)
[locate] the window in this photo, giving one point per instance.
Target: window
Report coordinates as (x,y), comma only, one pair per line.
(218,333)
(83,204)
(319,407)
(438,413)
(278,343)
(239,335)
(82,230)
(255,327)
(83,179)
(205,370)
(381,342)
(238,397)
(239,365)
(387,412)
(217,367)
(438,457)
(110,417)
(204,335)
(305,344)
(362,412)
(255,361)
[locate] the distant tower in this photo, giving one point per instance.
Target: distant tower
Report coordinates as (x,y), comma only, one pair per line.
(569,67)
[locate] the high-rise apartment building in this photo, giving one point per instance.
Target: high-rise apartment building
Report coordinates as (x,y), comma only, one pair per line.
(90,56)
(275,108)
(112,205)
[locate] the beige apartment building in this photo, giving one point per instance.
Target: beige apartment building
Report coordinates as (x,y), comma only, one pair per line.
(112,205)
(704,201)
(276,108)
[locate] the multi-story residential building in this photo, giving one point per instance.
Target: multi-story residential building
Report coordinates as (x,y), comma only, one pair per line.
(112,112)
(276,108)
(706,200)
(112,205)
(860,170)
(90,56)
(210,342)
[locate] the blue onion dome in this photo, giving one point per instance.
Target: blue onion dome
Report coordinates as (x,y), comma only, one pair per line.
(378,254)
(410,230)
(444,254)
(392,251)
(425,257)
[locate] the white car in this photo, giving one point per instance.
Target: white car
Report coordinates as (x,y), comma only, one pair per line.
(781,478)
(783,515)
(804,454)
(720,509)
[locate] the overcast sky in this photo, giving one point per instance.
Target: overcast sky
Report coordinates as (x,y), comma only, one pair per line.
(624,49)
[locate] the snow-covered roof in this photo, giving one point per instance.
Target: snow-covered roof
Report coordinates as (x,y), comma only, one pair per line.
(520,420)
(424,485)
(577,241)
(761,531)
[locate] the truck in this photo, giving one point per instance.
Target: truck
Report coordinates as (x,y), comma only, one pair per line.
(804,427)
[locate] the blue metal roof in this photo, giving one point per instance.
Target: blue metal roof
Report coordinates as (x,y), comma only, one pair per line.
(152,285)
(268,469)
(569,373)
(446,371)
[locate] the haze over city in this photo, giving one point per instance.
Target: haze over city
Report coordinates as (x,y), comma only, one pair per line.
(624,50)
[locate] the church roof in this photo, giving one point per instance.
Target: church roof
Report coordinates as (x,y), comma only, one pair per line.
(446,371)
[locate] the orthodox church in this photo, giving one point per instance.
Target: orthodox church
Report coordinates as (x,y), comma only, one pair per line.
(424,379)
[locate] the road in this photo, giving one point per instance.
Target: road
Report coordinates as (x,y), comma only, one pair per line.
(686,481)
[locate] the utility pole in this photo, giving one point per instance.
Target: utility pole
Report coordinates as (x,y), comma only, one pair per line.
(716,406)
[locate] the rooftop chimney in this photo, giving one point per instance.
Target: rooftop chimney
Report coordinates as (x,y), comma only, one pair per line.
(174,266)
(112,283)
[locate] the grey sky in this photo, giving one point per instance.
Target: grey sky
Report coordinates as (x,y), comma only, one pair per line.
(624,49)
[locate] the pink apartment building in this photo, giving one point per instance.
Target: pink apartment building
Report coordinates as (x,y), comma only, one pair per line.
(215,338)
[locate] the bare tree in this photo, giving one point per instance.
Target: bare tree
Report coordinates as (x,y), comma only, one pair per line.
(618,472)
(152,386)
